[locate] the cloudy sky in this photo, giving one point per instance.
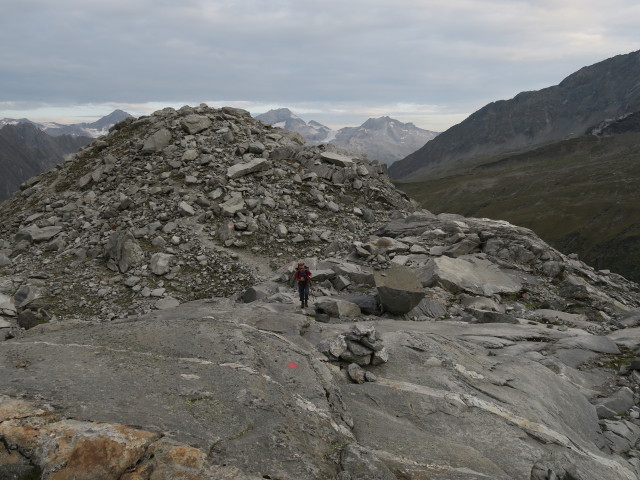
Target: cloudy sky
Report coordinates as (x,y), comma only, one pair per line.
(431,62)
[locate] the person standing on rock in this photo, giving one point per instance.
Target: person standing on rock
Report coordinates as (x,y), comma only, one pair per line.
(302,275)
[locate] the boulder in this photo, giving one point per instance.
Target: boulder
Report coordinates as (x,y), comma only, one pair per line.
(233,205)
(368,303)
(245,168)
(7,305)
(337,308)
(122,251)
(399,289)
(26,294)
(430,308)
(358,274)
(468,273)
(157,141)
(35,234)
(195,123)
(616,404)
(336,159)
(161,263)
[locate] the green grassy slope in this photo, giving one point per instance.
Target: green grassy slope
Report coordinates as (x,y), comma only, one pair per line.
(580,195)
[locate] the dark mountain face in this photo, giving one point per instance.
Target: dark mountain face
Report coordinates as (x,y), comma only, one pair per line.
(26,151)
(580,195)
(605,90)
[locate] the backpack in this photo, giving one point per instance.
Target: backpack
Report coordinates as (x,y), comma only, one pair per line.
(303,274)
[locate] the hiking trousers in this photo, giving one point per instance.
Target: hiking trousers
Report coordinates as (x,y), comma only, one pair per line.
(303,291)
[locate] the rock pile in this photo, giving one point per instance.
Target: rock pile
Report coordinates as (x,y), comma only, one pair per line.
(155,213)
(360,347)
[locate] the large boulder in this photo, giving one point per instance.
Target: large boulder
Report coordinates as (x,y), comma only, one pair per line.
(122,251)
(399,289)
(157,141)
(245,168)
(337,307)
(195,123)
(468,274)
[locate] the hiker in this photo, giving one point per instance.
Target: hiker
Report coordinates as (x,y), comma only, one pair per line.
(302,275)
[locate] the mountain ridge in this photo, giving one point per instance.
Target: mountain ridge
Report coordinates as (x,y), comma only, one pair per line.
(86,129)
(383,139)
(594,93)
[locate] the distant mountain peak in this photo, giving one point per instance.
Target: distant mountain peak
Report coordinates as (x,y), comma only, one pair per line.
(92,129)
(384,139)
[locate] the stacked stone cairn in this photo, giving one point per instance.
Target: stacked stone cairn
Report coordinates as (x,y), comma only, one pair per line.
(360,347)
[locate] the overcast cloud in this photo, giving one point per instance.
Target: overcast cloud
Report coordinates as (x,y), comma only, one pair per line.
(432,62)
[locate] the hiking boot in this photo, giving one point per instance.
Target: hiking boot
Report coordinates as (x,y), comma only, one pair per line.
(306,303)
(302,304)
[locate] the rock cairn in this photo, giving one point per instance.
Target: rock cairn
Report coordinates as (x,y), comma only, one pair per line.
(361,346)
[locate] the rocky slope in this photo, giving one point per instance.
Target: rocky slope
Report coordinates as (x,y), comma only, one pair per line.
(595,93)
(25,151)
(151,331)
(383,139)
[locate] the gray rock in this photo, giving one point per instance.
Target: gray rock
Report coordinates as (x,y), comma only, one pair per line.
(399,289)
(7,305)
(226,231)
(258,292)
(337,308)
(157,141)
(595,343)
(195,123)
(185,209)
(368,303)
(484,316)
(161,263)
(380,356)
(252,166)
(468,273)
(26,294)
(429,307)
(334,347)
(4,260)
(233,205)
(37,235)
(356,373)
(28,319)
(122,251)
(618,403)
(336,159)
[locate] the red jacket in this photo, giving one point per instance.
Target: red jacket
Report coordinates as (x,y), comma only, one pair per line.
(303,275)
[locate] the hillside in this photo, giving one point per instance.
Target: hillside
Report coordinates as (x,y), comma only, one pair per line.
(605,90)
(26,151)
(580,195)
(149,328)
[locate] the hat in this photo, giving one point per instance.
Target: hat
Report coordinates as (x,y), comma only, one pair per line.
(300,263)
